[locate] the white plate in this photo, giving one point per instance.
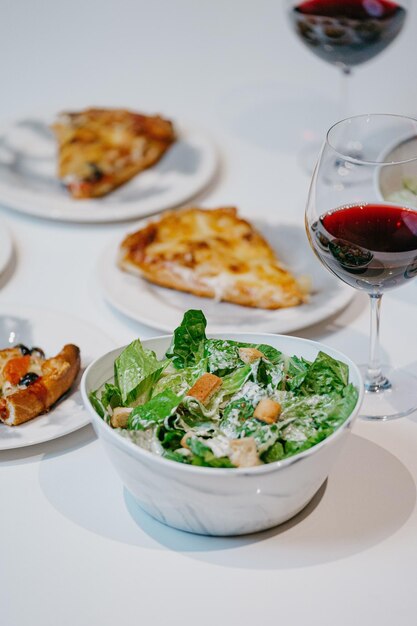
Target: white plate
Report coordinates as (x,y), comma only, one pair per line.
(50,331)
(163,308)
(29,184)
(6,246)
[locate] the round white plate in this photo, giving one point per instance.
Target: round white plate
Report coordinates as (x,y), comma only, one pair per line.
(28,180)
(163,308)
(6,246)
(50,331)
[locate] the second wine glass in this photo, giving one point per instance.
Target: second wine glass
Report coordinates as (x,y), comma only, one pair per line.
(364,236)
(345,34)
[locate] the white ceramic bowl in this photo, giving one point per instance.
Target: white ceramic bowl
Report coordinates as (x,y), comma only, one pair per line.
(213,501)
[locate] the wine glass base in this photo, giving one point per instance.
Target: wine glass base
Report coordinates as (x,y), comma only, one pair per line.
(397,401)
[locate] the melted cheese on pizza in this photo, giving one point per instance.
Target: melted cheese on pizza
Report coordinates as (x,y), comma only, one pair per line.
(100,149)
(211,253)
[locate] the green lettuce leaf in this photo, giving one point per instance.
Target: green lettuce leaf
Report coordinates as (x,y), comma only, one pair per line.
(203,455)
(154,411)
(180,381)
(187,346)
(97,405)
(198,413)
(111,396)
(237,410)
(297,369)
(343,406)
(231,383)
(172,455)
(170,439)
(274,453)
(135,372)
(223,354)
(272,354)
(294,447)
(325,375)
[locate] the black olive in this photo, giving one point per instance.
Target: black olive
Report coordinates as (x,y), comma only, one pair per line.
(96,173)
(38,352)
(28,379)
(23,349)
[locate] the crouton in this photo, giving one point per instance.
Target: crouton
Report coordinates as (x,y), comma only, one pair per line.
(120,417)
(205,387)
(267,411)
(244,453)
(249,355)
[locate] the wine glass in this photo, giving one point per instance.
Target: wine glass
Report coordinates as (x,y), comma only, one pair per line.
(345,34)
(363,228)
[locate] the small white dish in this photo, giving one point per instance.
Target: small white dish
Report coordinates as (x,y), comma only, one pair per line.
(50,331)
(389,180)
(213,501)
(28,181)
(163,308)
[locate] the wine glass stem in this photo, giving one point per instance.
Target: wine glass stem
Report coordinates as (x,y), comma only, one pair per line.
(344,92)
(375,381)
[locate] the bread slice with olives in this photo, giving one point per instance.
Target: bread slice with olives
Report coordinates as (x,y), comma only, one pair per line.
(31,384)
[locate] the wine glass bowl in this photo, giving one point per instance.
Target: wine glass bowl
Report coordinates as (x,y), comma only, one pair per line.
(347,33)
(368,242)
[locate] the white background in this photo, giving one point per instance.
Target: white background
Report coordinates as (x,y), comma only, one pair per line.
(74,549)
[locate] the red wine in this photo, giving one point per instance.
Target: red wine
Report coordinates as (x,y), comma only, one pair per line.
(369,246)
(347,32)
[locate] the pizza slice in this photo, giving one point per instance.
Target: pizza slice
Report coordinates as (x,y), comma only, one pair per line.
(211,253)
(31,384)
(100,149)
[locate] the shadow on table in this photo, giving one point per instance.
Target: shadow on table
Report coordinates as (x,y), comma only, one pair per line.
(370,495)
(249,111)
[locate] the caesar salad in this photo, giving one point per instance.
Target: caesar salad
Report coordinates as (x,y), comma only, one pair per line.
(222,403)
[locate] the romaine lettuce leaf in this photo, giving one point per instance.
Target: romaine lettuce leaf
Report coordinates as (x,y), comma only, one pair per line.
(294,446)
(135,372)
(187,346)
(181,380)
(111,396)
(343,406)
(270,375)
(155,411)
(97,405)
(237,411)
(325,375)
(274,453)
(272,354)
(223,354)
(172,455)
(264,434)
(297,369)
(203,455)
(231,383)
(170,439)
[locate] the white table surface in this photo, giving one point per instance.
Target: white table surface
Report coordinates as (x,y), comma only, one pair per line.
(74,548)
